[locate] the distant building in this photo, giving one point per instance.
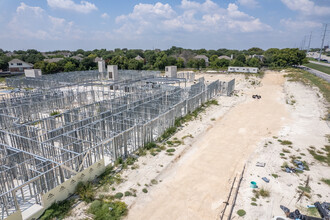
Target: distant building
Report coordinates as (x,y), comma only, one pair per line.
(243,69)
(64,53)
(18,66)
(260,57)
(224,57)
(53,60)
(199,57)
(77,58)
(139,58)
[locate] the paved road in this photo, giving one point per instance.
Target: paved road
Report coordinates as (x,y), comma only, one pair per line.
(320,63)
(317,73)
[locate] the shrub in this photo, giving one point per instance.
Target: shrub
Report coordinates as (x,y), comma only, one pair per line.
(119,195)
(153,181)
(58,210)
(264,193)
(275,175)
(128,193)
(130,161)
(85,191)
(150,145)
(286,151)
(241,212)
(170,150)
(108,210)
(144,190)
(254,204)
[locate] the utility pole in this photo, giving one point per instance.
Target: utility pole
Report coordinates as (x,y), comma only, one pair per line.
(325,31)
(309,43)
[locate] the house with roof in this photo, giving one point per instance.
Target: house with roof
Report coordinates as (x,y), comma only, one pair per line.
(77,58)
(224,57)
(18,66)
(53,60)
(200,57)
(139,58)
(260,57)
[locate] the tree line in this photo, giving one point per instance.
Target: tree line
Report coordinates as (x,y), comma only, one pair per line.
(156,59)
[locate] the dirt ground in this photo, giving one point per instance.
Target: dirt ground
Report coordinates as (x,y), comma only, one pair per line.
(194,182)
(304,129)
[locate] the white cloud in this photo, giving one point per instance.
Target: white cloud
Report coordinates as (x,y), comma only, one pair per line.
(249,3)
(83,7)
(206,17)
(33,23)
(307,7)
(300,24)
(104,15)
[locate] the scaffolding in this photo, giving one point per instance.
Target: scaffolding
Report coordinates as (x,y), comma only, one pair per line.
(67,124)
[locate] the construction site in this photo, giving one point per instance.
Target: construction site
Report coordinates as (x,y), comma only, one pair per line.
(60,129)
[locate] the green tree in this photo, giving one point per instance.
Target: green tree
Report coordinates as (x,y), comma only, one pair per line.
(180,63)
(69,66)
(88,63)
(253,62)
(51,68)
(255,50)
(236,62)
(241,58)
(213,58)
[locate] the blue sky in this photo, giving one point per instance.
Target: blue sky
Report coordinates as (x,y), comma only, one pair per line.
(140,24)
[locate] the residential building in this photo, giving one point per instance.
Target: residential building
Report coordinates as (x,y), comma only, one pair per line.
(18,66)
(260,57)
(224,57)
(199,57)
(53,60)
(243,69)
(139,58)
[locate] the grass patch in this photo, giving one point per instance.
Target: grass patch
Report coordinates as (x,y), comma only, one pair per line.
(326,181)
(254,199)
(154,182)
(108,210)
(324,69)
(322,158)
(264,193)
(286,142)
(58,210)
(170,150)
(313,212)
(241,212)
(286,150)
(275,175)
(254,204)
(309,79)
(306,189)
(54,113)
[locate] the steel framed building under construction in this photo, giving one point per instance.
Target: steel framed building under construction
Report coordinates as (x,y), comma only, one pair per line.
(71,125)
